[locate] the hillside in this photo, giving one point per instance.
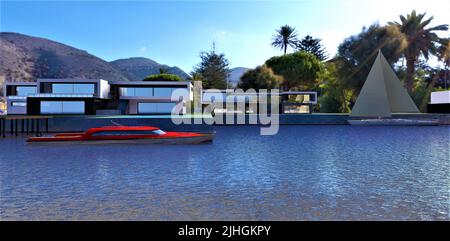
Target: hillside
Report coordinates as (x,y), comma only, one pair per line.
(236,74)
(138,68)
(25,58)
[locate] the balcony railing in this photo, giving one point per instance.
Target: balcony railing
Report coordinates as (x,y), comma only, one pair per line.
(63,95)
(16,97)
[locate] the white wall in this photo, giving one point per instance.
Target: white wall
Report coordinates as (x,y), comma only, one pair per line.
(440,97)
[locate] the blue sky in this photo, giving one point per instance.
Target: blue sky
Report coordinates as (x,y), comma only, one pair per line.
(174,32)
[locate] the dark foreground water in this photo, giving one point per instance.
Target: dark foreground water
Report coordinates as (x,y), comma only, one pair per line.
(303,173)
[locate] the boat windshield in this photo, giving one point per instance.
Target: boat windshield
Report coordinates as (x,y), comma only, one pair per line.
(159,132)
(126,132)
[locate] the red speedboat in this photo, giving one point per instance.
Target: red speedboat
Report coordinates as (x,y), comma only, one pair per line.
(127,134)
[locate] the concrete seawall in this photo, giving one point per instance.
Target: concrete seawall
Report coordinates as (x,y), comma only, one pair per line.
(82,123)
(292,119)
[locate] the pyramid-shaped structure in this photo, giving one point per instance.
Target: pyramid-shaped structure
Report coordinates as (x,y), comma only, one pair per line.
(383,94)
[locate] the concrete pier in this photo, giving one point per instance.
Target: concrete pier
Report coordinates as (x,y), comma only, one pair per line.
(27,125)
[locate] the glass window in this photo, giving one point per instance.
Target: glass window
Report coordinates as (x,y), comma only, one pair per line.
(84,88)
(62,88)
(155,108)
(144,92)
(136,92)
(25,90)
(127,91)
(159,132)
(51,107)
(73,107)
(163,92)
(120,133)
(165,107)
(19,104)
(62,107)
(301,98)
(146,108)
(180,92)
(73,88)
(306,99)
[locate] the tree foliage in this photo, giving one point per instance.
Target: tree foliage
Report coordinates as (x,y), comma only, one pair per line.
(285,37)
(262,77)
(213,70)
(162,77)
(313,46)
(444,56)
(420,40)
(411,40)
(299,69)
(444,52)
(357,53)
(334,97)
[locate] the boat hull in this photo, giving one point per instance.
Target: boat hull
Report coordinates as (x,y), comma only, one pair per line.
(393,122)
(204,138)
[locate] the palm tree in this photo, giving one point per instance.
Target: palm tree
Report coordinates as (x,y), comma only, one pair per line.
(286,36)
(420,40)
(444,56)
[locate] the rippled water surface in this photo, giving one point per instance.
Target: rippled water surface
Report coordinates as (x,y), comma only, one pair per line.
(303,173)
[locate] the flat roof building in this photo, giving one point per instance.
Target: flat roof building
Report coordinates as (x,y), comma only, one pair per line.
(439,102)
(96,97)
(16,96)
(151,97)
(68,96)
(291,102)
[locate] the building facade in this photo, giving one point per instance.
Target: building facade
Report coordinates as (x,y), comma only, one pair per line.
(151,97)
(16,96)
(291,102)
(68,96)
(99,97)
(439,102)
(96,97)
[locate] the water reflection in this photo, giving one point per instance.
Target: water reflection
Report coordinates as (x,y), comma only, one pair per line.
(304,172)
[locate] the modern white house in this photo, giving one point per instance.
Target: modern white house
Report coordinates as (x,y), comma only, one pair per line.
(100,97)
(298,102)
(439,102)
(291,102)
(67,96)
(151,97)
(96,97)
(16,94)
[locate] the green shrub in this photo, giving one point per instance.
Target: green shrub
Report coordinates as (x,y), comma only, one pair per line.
(330,102)
(299,69)
(262,77)
(162,77)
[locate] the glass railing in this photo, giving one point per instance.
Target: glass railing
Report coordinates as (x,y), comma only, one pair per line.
(16,97)
(62,95)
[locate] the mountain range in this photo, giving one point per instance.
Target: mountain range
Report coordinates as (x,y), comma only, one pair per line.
(26,58)
(235,75)
(137,68)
